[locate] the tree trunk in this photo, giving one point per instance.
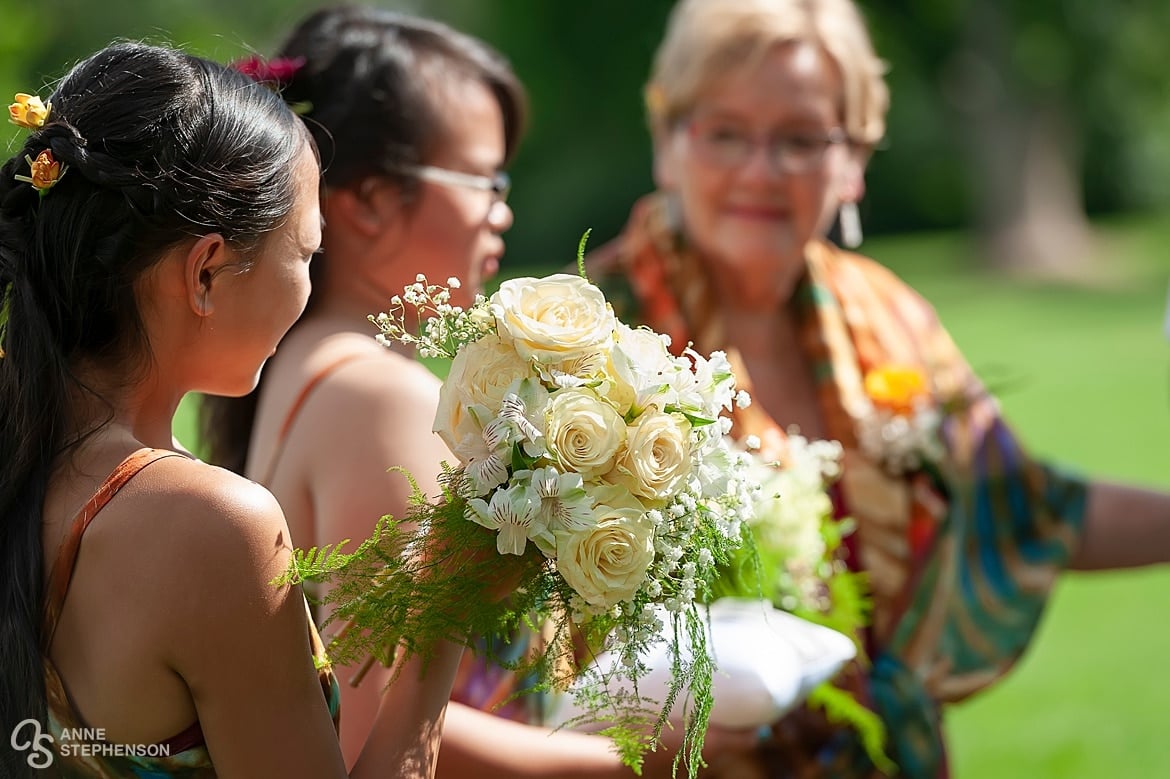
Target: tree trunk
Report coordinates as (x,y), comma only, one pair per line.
(1025,162)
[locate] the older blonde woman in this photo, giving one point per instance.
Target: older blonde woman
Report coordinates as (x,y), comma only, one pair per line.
(763,115)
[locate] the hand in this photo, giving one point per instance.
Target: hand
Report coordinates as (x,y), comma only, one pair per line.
(475,558)
(727,753)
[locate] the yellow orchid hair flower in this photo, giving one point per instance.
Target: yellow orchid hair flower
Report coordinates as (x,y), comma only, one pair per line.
(29,112)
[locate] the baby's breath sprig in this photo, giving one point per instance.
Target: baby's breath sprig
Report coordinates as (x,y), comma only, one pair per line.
(438,329)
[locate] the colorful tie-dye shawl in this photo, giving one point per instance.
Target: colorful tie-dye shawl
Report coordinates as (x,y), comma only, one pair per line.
(961,553)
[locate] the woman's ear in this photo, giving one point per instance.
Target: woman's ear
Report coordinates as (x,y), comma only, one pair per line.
(206,258)
(851,188)
(666,160)
(365,209)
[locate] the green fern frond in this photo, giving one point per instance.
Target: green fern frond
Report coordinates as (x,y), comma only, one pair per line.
(317,563)
(840,707)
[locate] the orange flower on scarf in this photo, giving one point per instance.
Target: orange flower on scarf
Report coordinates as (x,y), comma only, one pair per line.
(28,111)
(46,172)
(896,388)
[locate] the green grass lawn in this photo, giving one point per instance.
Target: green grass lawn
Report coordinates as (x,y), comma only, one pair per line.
(1084,375)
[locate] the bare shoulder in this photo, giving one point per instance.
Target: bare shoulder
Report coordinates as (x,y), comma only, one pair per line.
(381,383)
(197,516)
(239,642)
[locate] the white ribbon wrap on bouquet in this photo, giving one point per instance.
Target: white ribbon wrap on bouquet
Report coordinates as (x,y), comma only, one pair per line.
(767,662)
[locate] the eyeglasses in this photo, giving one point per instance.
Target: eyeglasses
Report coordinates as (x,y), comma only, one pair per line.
(498,184)
(728,145)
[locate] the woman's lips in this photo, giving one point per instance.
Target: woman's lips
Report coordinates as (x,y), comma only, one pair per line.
(759,213)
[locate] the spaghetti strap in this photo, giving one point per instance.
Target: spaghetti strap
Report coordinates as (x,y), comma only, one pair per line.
(295,409)
(67,555)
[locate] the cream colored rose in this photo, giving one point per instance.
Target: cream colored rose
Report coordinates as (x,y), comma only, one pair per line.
(553,319)
(481,374)
(584,432)
(607,563)
(656,457)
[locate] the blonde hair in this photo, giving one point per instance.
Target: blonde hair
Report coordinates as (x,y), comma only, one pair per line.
(706,39)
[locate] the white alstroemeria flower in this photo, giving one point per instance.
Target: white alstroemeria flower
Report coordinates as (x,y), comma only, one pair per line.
(481,452)
(512,512)
(576,371)
(643,367)
(714,379)
(564,504)
(522,413)
(485,469)
(512,413)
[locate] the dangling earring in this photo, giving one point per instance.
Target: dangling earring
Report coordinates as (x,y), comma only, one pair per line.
(849,221)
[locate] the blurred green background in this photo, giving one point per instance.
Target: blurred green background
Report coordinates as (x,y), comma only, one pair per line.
(1024,187)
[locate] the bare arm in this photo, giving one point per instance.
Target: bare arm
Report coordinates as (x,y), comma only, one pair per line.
(488,747)
(409,723)
(1124,527)
(241,645)
(485,746)
(370,415)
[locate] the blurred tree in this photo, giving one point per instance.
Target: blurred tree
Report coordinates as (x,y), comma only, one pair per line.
(1014,116)
(587,157)
(1044,108)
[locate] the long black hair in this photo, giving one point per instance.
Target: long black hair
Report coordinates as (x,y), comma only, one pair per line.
(369,82)
(160,147)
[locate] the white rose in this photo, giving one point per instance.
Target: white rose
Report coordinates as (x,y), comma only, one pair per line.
(656,457)
(481,374)
(553,319)
(583,431)
(607,563)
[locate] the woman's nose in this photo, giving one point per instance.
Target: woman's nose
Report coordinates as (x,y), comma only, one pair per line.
(500,217)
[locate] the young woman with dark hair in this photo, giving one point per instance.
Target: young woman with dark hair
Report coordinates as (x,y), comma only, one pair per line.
(155,235)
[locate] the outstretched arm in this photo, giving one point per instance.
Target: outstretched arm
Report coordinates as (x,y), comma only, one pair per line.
(1125,527)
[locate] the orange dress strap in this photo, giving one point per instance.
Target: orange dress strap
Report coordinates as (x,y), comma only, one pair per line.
(66,560)
(295,409)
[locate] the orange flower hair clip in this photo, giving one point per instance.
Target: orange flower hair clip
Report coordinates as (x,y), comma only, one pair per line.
(46,172)
(29,112)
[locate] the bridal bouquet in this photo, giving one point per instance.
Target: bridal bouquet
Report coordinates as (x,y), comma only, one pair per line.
(595,481)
